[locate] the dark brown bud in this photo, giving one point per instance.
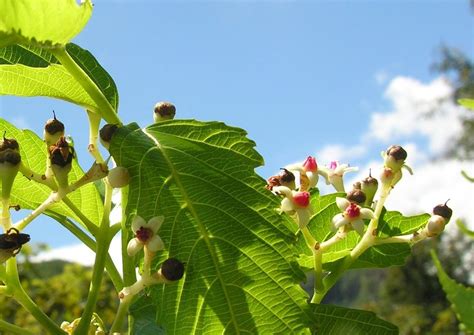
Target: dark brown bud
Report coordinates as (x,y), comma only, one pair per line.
(9,143)
(107,132)
(172,269)
(397,152)
(164,111)
(272,182)
(357,185)
(54,126)
(61,153)
(356,196)
(444,211)
(286,176)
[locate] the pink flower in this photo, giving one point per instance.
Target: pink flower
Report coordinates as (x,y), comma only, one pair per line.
(145,235)
(295,202)
(334,174)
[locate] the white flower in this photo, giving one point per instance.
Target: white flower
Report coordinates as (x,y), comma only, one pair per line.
(295,202)
(308,173)
(334,174)
(352,215)
(145,235)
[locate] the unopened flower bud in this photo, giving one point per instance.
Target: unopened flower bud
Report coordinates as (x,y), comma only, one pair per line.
(356,196)
(395,157)
(164,111)
(53,130)
(444,211)
(9,164)
(369,186)
(118,177)
(435,225)
(61,155)
(172,269)
(106,133)
(357,185)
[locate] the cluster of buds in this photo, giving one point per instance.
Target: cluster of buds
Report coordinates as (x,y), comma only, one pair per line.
(368,186)
(296,201)
(394,160)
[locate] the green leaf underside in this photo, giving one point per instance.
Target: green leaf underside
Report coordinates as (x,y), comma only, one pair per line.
(468,103)
(391,223)
(461,297)
(29,194)
(335,320)
(219,219)
(33,71)
(143,312)
(43,22)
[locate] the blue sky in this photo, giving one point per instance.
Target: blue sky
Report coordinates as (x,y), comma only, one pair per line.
(297,75)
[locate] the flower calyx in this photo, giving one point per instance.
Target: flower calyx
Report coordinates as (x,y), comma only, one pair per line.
(334,173)
(352,216)
(164,110)
(53,130)
(145,235)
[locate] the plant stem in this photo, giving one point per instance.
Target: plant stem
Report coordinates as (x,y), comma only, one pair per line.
(128,265)
(91,227)
(94,122)
(19,294)
(53,198)
(103,243)
(104,107)
(121,314)
(89,242)
(13,329)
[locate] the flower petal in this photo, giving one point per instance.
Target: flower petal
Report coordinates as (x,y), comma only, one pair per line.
(137,222)
(366,213)
(339,220)
(155,244)
(304,214)
(358,226)
(283,190)
(313,178)
(287,205)
(134,246)
(155,223)
(342,203)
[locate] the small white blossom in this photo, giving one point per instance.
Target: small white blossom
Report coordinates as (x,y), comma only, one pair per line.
(295,202)
(308,171)
(334,174)
(352,215)
(145,235)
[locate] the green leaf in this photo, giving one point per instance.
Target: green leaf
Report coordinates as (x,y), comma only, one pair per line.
(462,227)
(339,320)
(29,194)
(241,275)
(32,71)
(468,103)
(42,22)
(393,223)
(143,312)
(461,297)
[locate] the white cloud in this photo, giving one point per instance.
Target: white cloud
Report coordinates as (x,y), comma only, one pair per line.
(337,152)
(418,109)
(381,77)
(79,253)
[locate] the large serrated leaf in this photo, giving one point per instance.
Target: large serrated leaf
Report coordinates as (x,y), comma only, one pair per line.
(33,71)
(43,22)
(337,320)
(219,219)
(461,297)
(468,103)
(29,194)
